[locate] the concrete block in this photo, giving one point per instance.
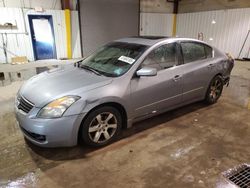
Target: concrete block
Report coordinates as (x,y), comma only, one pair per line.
(22,74)
(7,79)
(6,82)
(41,69)
(4,78)
(28,73)
(15,76)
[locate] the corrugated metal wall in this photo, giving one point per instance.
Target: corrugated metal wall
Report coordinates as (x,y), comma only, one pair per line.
(75,37)
(21,45)
(156,24)
(227,34)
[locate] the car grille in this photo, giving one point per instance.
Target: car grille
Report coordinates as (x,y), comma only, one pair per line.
(240,176)
(24,104)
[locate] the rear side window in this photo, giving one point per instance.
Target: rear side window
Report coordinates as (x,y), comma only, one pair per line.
(193,51)
(209,51)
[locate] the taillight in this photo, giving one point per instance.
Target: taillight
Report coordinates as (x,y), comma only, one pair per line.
(230,62)
(230,57)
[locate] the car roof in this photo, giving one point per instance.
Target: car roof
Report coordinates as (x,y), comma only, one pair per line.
(152,40)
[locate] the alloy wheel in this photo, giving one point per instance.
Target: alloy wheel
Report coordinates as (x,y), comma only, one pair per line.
(102,127)
(215,89)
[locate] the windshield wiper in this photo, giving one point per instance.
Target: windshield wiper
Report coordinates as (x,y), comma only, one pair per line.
(78,63)
(90,69)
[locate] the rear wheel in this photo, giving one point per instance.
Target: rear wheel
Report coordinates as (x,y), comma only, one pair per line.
(101,126)
(214,90)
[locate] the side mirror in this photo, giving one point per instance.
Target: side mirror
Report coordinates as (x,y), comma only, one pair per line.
(147,71)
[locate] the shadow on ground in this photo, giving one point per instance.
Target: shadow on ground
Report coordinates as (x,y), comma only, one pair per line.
(81,151)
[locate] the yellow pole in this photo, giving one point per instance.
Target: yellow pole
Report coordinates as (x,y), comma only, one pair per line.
(174,25)
(68,32)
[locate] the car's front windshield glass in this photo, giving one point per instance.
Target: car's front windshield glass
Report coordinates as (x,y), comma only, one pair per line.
(114,59)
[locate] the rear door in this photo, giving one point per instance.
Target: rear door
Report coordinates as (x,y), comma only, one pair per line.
(158,93)
(198,69)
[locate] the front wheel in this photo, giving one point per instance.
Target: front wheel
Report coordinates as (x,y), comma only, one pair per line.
(101,126)
(214,90)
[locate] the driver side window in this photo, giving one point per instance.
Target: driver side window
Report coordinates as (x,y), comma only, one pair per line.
(162,57)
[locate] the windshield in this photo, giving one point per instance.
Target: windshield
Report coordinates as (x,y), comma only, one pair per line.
(114,59)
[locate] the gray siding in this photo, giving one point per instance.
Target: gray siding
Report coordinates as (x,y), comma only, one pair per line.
(106,20)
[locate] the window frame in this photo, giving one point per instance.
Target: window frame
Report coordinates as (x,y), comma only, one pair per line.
(197,42)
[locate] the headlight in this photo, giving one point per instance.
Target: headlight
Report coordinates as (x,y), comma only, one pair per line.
(57,107)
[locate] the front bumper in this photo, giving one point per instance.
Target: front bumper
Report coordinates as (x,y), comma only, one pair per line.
(57,132)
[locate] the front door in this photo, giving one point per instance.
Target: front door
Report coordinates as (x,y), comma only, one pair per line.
(42,36)
(158,93)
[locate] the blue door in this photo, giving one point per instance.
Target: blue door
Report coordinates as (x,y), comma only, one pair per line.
(42,35)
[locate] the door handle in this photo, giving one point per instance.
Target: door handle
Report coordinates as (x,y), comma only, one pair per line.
(176,78)
(210,65)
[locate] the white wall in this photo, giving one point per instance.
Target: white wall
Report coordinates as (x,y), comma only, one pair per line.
(46,4)
(227,34)
(21,44)
(188,6)
(75,35)
(156,24)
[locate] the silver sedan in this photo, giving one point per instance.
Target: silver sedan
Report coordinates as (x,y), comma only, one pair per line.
(123,82)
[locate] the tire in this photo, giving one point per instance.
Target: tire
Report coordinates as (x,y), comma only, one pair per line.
(214,90)
(101,127)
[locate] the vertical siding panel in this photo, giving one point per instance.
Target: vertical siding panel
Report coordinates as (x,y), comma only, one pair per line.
(57,25)
(228,33)
(190,26)
(76,50)
(62,43)
(178,25)
(246,27)
(187,31)
(184,25)
(24,47)
(156,24)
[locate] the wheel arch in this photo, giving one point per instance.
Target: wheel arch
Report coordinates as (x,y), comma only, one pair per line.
(115,105)
(218,74)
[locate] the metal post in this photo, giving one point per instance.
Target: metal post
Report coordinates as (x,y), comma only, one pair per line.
(243,44)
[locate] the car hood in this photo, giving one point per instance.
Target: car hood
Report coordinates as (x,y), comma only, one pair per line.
(59,82)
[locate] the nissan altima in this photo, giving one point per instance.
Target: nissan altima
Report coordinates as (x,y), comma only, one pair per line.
(123,82)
